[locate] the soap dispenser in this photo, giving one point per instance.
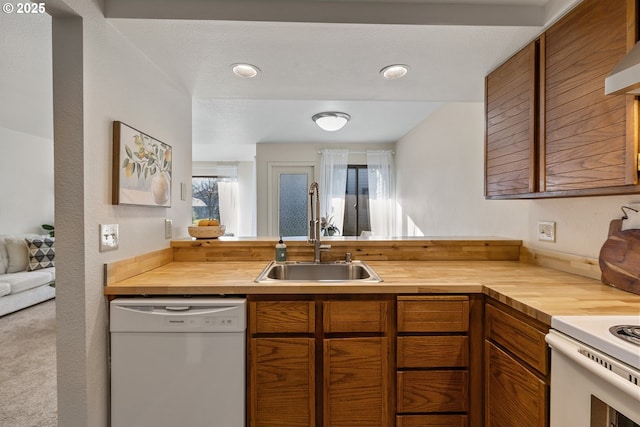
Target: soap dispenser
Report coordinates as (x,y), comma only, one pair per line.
(281,251)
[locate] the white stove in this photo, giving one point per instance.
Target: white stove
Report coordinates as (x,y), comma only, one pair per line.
(595,371)
(595,332)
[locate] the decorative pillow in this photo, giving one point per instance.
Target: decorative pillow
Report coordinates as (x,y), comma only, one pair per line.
(41,253)
(4,257)
(17,253)
(632,221)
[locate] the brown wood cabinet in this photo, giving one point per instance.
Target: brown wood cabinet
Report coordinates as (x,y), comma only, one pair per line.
(282,363)
(356,382)
(320,361)
(433,376)
(590,138)
(551,131)
(282,382)
(380,360)
(512,133)
(516,369)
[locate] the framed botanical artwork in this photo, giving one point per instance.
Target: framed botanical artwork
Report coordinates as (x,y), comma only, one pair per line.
(141,168)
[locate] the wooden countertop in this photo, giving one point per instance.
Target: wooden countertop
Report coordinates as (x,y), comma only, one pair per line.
(537,291)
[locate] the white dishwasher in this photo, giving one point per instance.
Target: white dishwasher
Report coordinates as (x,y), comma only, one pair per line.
(178,362)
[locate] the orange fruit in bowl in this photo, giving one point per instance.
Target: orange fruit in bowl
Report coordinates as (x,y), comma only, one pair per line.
(214,222)
(203,223)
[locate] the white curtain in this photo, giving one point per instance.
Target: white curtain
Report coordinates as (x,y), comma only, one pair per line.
(333,184)
(228,203)
(381,192)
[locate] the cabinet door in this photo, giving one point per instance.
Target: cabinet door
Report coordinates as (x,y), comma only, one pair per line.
(356,382)
(511,133)
(282,382)
(514,396)
(589,137)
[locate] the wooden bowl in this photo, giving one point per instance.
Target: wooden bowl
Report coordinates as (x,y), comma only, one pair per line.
(206,232)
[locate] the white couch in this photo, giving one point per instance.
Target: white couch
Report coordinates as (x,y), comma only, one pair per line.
(25,277)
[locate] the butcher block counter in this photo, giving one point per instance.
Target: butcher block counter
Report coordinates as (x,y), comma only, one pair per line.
(537,291)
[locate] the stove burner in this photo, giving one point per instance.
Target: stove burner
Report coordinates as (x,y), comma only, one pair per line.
(630,333)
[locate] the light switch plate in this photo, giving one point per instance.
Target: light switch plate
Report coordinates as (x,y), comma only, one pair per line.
(183,191)
(109,237)
(167,228)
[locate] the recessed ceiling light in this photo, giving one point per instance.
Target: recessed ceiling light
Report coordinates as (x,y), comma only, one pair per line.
(395,71)
(331,120)
(245,70)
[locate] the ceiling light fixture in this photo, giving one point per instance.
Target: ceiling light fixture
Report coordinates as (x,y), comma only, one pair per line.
(395,71)
(245,70)
(331,120)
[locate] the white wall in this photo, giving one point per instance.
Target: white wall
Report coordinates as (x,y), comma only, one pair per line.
(25,86)
(119,83)
(296,154)
(440,188)
(440,178)
(26,124)
(582,223)
(247,199)
(26,193)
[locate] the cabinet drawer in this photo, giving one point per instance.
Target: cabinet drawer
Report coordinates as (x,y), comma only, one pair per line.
(523,340)
(435,420)
(433,391)
(355,316)
(433,314)
(433,352)
(281,317)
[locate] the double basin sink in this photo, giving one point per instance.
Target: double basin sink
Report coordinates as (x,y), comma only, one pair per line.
(339,271)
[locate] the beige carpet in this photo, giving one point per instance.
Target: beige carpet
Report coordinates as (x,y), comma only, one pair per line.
(28,367)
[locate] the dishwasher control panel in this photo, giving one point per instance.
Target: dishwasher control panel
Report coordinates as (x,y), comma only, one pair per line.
(178,315)
(197,322)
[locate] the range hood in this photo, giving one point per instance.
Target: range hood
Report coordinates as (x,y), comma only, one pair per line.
(625,77)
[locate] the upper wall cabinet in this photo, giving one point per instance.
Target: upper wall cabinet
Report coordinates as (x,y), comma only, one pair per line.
(512,135)
(583,142)
(589,136)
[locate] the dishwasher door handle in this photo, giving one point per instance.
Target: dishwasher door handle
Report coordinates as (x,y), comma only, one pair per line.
(189,310)
(178,308)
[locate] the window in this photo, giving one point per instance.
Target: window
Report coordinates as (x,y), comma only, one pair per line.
(356,211)
(215,198)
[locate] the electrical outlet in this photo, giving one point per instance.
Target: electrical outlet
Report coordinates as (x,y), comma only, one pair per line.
(547,231)
(109,237)
(167,228)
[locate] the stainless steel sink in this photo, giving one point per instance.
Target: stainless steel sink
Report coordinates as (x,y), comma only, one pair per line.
(354,271)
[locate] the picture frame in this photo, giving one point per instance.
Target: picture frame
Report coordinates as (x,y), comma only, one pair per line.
(141,169)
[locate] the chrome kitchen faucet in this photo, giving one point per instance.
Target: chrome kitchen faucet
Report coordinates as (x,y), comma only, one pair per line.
(314,224)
